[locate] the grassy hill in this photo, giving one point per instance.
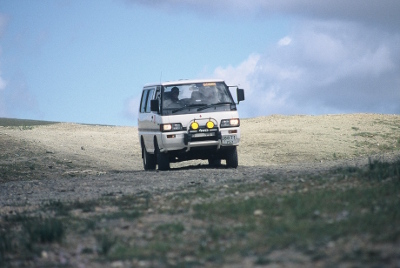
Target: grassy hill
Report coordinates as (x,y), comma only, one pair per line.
(13,122)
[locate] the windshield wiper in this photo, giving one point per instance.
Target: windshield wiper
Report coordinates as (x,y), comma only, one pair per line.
(213,104)
(187,106)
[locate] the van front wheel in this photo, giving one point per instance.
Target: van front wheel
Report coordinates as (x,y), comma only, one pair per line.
(149,160)
(232,158)
(162,159)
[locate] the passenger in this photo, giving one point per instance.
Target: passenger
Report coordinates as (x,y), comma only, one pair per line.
(209,94)
(196,97)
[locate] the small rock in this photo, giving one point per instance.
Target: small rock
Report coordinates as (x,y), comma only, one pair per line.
(44,254)
(190,259)
(343,215)
(144,263)
(258,212)
(117,264)
(317,213)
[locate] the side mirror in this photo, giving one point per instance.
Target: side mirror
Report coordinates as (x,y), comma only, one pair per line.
(240,94)
(154,106)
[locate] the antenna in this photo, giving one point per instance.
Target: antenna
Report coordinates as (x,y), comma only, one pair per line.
(160,77)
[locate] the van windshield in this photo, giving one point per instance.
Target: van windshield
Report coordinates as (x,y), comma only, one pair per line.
(189,98)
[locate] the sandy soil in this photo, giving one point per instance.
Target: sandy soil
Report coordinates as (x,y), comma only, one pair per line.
(266,141)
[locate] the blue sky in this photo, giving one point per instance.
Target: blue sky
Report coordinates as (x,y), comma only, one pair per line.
(86,61)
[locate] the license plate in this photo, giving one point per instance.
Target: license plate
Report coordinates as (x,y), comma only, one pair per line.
(199,135)
(229,139)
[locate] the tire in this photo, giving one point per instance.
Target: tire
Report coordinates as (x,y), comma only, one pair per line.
(232,158)
(149,160)
(162,158)
(212,162)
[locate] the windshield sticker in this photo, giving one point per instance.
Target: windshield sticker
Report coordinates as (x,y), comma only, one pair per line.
(209,84)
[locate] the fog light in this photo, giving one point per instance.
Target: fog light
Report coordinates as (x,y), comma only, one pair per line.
(210,124)
(194,125)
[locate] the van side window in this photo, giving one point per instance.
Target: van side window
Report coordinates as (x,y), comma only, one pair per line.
(149,98)
(143,101)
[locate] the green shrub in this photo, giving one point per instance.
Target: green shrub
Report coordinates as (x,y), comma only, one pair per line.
(44,230)
(58,207)
(379,170)
(105,243)
(171,228)
(5,245)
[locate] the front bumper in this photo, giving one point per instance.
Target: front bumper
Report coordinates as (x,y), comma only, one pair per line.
(190,139)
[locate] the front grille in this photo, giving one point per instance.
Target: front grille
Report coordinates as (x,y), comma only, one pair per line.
(199,136)
(212,138)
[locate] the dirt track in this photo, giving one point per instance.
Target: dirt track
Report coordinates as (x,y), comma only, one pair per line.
(62,153)
(266,141)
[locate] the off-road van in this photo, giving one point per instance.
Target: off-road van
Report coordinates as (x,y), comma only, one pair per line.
(189,119)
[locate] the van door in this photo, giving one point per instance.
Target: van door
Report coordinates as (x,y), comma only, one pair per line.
(146,121)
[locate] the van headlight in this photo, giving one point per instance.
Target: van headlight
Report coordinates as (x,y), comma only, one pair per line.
(234,122)
(171,127)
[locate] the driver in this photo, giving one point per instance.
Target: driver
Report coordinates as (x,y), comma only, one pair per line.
(173,98)
(175,94)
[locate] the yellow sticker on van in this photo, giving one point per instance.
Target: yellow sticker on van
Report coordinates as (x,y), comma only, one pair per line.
(210,84)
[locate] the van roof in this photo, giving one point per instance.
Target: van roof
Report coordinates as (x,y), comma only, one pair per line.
(184,81)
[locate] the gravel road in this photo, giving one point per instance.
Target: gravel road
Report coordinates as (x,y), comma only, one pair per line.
(71,161)
(87,185)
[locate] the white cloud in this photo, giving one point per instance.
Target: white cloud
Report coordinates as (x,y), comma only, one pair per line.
(325,68)
(240,75)
(285,41)
(383,13)
(341,56)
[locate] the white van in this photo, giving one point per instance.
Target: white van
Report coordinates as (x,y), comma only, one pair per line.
(189,119)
